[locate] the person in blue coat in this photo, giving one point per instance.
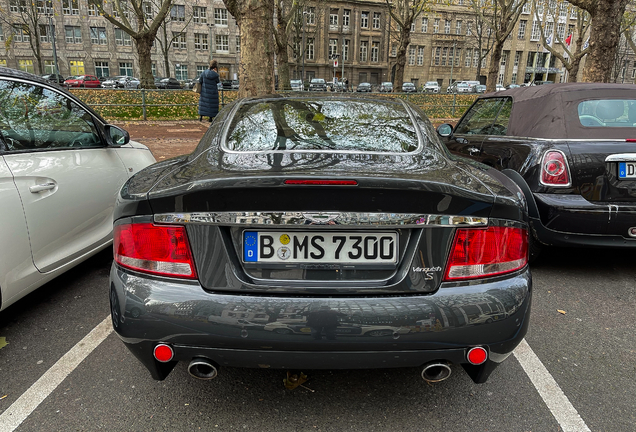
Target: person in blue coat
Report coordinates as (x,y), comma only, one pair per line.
(209,96)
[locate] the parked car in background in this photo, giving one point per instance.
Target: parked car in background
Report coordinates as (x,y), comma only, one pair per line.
(235,84)
(54,78)
(481,88)
(511,86)
(386,87)
(431,87)
(542,82)
(458,87)
(168,83)
(306,248)
(227,84)
(189,83)
(364,87)
(409,87)
(569,148)
(83,81)
(61,166)
(317,84)
(472,85)
(296,85)
(127,82)
(499,87)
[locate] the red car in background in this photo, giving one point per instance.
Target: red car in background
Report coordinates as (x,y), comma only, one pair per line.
(88,81)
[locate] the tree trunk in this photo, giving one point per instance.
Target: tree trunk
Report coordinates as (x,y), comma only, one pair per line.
(573,70)
(493,69)
(144,45)
(254,18)
(281,51)
(604,39)
(400,60)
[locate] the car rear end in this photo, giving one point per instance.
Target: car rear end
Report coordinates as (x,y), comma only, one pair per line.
(366,258)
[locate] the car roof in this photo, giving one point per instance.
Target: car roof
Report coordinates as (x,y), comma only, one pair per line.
(551,111)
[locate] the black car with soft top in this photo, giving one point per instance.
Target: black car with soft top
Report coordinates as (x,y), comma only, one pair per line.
(321,233)
(571,148)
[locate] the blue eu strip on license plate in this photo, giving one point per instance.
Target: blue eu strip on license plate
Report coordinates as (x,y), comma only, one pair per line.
(250,251)
(626,170)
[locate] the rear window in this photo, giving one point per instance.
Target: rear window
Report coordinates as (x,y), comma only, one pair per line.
(607,113)
(322,125)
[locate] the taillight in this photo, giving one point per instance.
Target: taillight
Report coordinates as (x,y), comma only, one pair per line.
(157,249)
(554,169)
(478,253)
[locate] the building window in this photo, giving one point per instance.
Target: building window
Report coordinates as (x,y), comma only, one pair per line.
(447,26)
(424,25)
(238,44)
(181,72)
(514,78)
(1,34)
(526,8)
(149,14)
(411,56)
(393,50)
(178,40)
(436,25)
(547,30)
(412,27)
(458,27)
(177,13)
(536,31)
(364,50)
(200,15)
(376,20)
(467,59)
(561,31)
(92,10)
(45,37)
(573,12)
(3,63)
(122,38)
(444,55)
(310,48)
(457,55)
(13,5)
(420,56)
(483,58)
(220,17)
(76,67)
(375,52)
(517,58)
(345,50)
(522,29)
(333,47)
(49,66)
(73,34)
(504,57)
(634,70)
(98,36)
(101,69)
(436,56)
(19,34)
(201,41)
(153,69)
(200,70)
(469,28)
(26,65)
(333,19)
(45,6)
(364,20)
(501,79)
(126,68)
(222,43)
(70,7)
(311,15)
(346,19)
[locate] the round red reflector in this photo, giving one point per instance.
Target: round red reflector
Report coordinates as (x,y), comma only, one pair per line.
(477,355)
(163,353)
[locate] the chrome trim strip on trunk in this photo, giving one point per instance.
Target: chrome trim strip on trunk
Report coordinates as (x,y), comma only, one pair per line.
(621,157)
(324,219)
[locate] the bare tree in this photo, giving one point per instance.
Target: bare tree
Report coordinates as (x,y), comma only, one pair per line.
(404,13)
(606,16)
(142,27)
(166,37)
(505,14)
(480,37)
(256,26)
(571,59)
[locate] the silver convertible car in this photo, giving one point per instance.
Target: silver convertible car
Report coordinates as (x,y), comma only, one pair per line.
(61,167)
(320,232)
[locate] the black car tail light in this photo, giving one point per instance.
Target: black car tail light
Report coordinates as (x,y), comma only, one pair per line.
(156,249)
(554,169)
(478,253)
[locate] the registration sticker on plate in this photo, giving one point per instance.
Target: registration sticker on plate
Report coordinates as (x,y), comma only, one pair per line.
(626,170)
(279,247)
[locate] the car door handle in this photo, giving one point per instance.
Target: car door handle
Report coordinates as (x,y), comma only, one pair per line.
(42,187)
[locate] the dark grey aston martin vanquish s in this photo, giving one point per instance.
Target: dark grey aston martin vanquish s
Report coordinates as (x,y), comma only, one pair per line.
(321,233)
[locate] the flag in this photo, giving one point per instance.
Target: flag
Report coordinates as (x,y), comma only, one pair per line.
(587,43)
(568,40)
(548,42)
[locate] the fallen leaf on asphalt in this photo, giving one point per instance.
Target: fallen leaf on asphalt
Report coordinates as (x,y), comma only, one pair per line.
(294,380)
(3,342)
(561,311)
(3,397)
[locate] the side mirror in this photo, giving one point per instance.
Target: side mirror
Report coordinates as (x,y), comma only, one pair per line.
(445,130)
(117,135)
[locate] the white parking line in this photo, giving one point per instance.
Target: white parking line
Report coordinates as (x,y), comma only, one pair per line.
(29,401)
(558,403)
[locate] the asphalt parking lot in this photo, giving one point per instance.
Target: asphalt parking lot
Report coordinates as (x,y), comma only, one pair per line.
(63,369)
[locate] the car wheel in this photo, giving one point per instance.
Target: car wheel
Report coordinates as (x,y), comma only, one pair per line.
(283,331)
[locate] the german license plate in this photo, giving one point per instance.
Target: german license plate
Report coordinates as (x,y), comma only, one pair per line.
(626,170)
(282,247)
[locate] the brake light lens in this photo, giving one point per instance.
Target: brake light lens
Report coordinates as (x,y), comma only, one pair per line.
(554,170)
(156,249)
(478,253)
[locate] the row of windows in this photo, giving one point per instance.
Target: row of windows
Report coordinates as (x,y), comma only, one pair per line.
(367,52)
(334,15)
(201,42)
(199,15)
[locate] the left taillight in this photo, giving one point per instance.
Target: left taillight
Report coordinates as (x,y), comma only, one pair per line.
(554,169)
(156,249)
(478,253)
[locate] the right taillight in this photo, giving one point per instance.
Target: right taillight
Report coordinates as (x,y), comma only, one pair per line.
(478,253)
(156,249)
(554,169)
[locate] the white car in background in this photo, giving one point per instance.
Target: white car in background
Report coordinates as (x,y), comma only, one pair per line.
(431,87)
(61,167)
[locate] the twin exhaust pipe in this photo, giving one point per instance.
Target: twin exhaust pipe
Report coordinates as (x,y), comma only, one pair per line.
(436,371)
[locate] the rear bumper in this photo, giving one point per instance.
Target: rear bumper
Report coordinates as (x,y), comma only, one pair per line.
(571,220)
(279,332)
